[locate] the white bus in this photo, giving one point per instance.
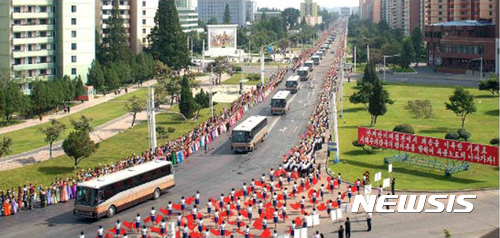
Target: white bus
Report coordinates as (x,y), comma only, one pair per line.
(280,102)
(303,73)
(292,84)
(104,196)
(316,59)
(249,133)
(309,64)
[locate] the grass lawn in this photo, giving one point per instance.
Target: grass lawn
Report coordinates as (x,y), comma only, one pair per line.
(113,149)
(360,67)
(31,138)
(483,125)
(235,79)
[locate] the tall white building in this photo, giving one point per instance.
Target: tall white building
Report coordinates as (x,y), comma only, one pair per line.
(251,9)
(44,39)
(188,16)
(207,9)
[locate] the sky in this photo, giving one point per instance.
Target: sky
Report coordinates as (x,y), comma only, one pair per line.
(282,4)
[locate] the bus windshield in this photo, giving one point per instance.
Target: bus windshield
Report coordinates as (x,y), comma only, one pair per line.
(291,84)
(278,103)
(86,196)
(240,136)
(303,73)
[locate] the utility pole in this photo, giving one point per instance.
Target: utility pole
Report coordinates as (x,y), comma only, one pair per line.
(211,102)
(367,53)
(355,59)
(242,74)
(191,47)
(262,70)
(203,57)
(334,130)
(151,117)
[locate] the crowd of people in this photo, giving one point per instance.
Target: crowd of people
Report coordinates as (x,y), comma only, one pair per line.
(36,195)
(268,195)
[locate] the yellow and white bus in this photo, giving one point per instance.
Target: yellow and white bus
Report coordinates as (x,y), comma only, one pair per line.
(104,196)
(310,65)
(292,84)
(280,103)
(249,133)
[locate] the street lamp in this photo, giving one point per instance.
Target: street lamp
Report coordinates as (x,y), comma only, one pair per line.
(388,56)
(480,68)
(249,47)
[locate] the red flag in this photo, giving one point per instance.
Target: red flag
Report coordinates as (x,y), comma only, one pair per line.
(354,189)
(308,185)
(258,224)
(244,213)
(128,224)
(215,232)
(295,206)
(238,193)
(158,218)
(155,229)
(335,183)
(147,219)
(164,211)
(109,235)
(298,221)
(190,200)
(195,234)
(231,222)
(227,200)
(321,207)
(259,195)
(266,233)
(343,195)
(176,206)
(329,179)
(295,175)
(258,183)
(281,197)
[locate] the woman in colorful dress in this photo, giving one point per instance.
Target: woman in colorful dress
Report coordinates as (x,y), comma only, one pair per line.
(49,196)
(6,207)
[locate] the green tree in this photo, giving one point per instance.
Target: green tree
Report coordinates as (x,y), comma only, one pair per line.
(227,15)
(79,146)
(490,84)
(290,16)
(95,76)
(407,53)
(79,87)
(167,41)
(111,80)
(378,102)
(83,124)
(40,98)
(173,88)
(417,41)
(186,104)
(213,21)
(13,101)
(5,146)
(52,133)
(461,103)
(114,46)
(135,105)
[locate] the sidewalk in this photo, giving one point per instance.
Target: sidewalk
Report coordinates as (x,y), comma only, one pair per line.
(75,109)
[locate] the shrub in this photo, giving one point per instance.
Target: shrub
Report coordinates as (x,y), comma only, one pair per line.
(237,68)
(420,108)
(463,134)
(404,128)
(452,136)
(253,77)
(494,141)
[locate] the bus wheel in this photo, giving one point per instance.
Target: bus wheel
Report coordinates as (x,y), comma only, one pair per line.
(156,194)
(111,211)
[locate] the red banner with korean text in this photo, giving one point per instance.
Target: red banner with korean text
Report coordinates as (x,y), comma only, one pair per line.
(450,149)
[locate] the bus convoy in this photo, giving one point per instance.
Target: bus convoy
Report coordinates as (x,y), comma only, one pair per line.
(106,195)
(249,133)
(310,65)
(280,103)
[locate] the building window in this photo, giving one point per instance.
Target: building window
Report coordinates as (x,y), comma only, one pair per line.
(144,40)
(73,71)
(73,34)
(143,3)
(73,8)
(144,21)
(144,30)
(73,46)
(73,21)
(144,12)
(73,58)
(122,2)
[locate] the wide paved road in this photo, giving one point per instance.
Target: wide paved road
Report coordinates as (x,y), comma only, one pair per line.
(211,174)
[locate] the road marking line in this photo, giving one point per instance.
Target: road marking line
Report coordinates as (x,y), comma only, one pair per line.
(274,124)
(295,129)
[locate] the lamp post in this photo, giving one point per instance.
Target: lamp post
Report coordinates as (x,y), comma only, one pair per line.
(249,47)
(480,67)
(388,56)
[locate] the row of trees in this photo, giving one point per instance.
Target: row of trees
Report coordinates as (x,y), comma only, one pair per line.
(45,96)
(384,40)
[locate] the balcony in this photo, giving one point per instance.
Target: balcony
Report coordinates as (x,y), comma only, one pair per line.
(32,40)
(35,53)
(21,67)
(25,15)
(21,28)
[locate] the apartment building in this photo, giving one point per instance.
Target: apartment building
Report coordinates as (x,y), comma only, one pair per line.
(309,11)
(44,39)
(370,10)
(437,11)
(207,9)
(402,14)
